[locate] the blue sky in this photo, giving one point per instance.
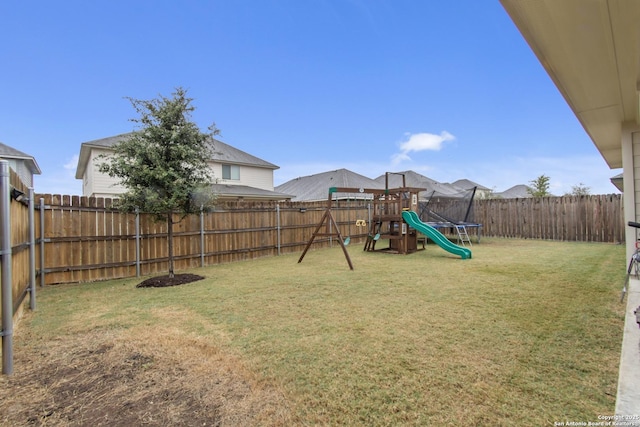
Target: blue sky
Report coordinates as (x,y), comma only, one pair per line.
(448,89)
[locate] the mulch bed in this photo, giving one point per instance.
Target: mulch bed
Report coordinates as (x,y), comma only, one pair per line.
(164,281)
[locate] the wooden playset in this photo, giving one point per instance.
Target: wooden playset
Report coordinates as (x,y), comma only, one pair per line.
(385,223)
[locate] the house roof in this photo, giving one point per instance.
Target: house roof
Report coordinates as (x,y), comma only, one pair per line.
(225,153)
(220,152)
(7,152)
(467,184)
(618,182)
(226,191)
(590,51)
(516,192)
(414,179)
(316,187)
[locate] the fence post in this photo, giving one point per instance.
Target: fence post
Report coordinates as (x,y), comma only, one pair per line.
(5,253)
(137,242)
(278,227)
(32,253)
(201,236)
(42,242)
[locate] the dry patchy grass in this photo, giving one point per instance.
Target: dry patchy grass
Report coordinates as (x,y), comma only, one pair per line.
(147,375)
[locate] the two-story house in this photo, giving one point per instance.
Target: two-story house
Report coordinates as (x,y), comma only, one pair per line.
(238,174)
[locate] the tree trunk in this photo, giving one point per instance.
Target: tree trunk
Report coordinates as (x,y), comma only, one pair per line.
(170,241)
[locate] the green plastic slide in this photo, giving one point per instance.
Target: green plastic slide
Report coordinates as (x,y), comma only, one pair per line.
(413,220)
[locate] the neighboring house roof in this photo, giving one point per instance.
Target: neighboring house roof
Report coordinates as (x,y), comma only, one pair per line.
(220,152)
(516,192)
(7,152)
(466,184)
(618,182)
(85,151)
(225,153)
(226,191)
(414,179)
(316,187)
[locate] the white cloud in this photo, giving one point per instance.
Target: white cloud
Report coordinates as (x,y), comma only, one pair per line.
(398,158)
(72,164)
(420,142)
(425,141)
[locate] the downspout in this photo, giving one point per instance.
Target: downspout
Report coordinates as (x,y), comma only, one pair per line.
(629,190)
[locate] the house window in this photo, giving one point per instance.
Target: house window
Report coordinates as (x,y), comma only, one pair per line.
(231,172)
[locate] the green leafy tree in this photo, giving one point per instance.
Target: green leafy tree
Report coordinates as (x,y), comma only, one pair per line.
(580,190)
(163,164)
(539,187)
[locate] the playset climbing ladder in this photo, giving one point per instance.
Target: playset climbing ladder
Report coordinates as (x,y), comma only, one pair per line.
(463,236)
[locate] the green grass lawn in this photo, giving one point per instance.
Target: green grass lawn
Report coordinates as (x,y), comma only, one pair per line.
(524,333)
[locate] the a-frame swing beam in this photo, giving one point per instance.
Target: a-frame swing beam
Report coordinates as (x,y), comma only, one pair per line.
(331,225)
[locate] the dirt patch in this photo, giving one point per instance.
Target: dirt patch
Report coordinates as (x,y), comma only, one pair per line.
(163,281)
(146,376)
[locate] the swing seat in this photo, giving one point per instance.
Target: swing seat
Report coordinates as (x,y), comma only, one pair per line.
(347,240)
(377,236)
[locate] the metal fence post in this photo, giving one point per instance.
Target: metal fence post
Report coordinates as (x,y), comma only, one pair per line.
(278,227)
(201,236)
(42,241)
(5,251)
(137,243)
(32,253)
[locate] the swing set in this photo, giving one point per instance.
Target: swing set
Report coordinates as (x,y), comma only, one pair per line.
(331,226)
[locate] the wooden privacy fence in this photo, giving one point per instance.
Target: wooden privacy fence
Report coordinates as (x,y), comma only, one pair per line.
(598,218)
(20,244)
(17,256)
(86,239)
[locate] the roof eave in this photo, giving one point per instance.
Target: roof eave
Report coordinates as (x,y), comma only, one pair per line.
(591,57)
(30,161)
